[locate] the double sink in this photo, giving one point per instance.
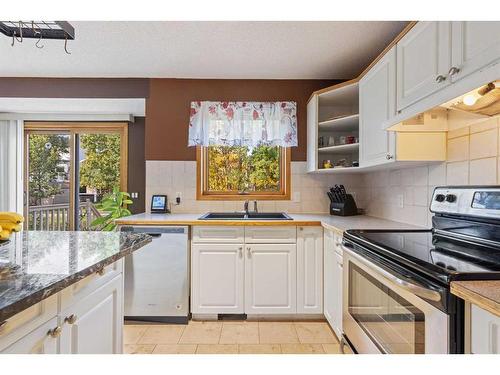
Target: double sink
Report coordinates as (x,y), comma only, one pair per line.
(245,216)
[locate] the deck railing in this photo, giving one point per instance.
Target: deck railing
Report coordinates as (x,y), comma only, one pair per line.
(56,216)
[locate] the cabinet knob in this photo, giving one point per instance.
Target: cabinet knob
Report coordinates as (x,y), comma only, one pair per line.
(249,251)
(440,78)
(70,319)
(453,70)
(55,332)
(389,156)
(3,324)
(100,271)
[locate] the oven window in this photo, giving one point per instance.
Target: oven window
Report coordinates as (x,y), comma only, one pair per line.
(391,322)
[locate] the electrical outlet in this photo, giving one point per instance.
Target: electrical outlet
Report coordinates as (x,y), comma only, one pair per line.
(296,197)
(178,197)
(400,201)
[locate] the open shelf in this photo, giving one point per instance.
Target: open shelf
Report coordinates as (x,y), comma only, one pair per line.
(340,149)
(340,170)
(345,123)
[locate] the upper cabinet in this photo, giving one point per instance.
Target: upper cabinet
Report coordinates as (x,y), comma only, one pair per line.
(475,44)
(377,103)
(423,62)
(333,129)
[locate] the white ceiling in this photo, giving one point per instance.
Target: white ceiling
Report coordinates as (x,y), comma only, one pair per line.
(272,50)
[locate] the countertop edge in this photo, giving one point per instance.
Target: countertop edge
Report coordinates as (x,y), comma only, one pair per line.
(460,289)
(222,222)
(36,297)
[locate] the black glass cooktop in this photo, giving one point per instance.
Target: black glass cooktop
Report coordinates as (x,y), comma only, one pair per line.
(439,256)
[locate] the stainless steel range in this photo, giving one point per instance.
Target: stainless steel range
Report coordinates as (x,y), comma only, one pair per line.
(397,283)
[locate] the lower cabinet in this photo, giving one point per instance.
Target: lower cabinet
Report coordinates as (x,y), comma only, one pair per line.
(310,270)
(271,279)
(484,331)
(332,290)
(94,324)
(89,324)
(217,278)
(268,271)
(39,341)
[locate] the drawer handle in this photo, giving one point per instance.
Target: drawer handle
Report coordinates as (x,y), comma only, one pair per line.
(249,251)
(453,70)
(440,78)
(3,324)
(55,332)
(240,251)
(100,271)
(71,319)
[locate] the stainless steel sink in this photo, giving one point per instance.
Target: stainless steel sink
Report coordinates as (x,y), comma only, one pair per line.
(244,216)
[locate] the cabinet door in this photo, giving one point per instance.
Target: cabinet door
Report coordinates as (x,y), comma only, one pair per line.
(312,134)
(475,44)
(423,55)
(377,103)
(94,325)
(39,341)
(329,276)
(217,276)
(310,270)
(271,279)
(337,310)
(485,332)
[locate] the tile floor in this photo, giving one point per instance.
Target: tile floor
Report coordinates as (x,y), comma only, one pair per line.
(231,337)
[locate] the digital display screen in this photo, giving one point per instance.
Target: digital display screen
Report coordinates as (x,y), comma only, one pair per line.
(488,200)
(159,202)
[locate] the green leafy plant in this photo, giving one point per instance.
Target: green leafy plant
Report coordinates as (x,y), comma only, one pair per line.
(114,205)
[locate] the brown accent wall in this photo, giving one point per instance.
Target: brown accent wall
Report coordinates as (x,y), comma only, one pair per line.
(167,109)
(137,164)
(74,87)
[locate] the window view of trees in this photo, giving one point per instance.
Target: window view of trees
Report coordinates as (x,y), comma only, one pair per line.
(247,169)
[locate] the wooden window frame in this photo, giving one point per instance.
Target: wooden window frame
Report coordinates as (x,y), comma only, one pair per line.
(202,192)
(73,128)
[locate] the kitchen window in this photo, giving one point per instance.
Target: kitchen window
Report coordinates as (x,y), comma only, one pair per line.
(243,149)
(242,172)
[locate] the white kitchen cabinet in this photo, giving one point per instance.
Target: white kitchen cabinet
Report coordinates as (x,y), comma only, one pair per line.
(333,281)
(328,276)
(475,44)
(377,104)
(312,134)
(271,279)
(484,331)
(94,324)
(217,278)
(423,61)
(310,270)
(39,341)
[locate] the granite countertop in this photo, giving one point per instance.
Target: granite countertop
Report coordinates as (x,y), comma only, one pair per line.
(483,293)
(51,261)
(337,223)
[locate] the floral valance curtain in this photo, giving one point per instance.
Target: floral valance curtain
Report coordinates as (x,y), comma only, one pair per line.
(243,124)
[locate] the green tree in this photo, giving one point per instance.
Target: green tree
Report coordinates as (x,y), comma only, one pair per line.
(100,170)
(232,168)
(45,164)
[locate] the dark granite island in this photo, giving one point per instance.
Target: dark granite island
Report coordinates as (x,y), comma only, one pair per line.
(47,264)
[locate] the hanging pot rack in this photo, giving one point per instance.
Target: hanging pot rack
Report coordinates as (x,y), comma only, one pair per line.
(41,30)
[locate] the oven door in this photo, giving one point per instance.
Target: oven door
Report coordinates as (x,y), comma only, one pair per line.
(384,312)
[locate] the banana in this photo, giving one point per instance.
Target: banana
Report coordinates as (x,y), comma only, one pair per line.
(10,226)
(11,217)
(4,234)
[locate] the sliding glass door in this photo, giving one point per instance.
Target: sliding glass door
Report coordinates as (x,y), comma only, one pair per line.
(69,168)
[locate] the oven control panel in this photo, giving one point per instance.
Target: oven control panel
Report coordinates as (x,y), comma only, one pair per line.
(477,201)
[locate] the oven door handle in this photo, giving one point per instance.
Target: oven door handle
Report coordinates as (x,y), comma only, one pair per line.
(411,287)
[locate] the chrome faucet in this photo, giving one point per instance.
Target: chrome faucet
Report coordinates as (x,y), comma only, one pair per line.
(245,207)
(255,206)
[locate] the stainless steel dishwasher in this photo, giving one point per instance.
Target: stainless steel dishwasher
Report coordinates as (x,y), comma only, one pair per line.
(157,276)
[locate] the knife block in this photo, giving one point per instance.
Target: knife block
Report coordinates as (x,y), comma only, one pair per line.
(346,208)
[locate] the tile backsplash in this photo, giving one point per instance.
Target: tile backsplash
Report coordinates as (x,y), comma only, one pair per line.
(404,194)
(172,177)
(399,194)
